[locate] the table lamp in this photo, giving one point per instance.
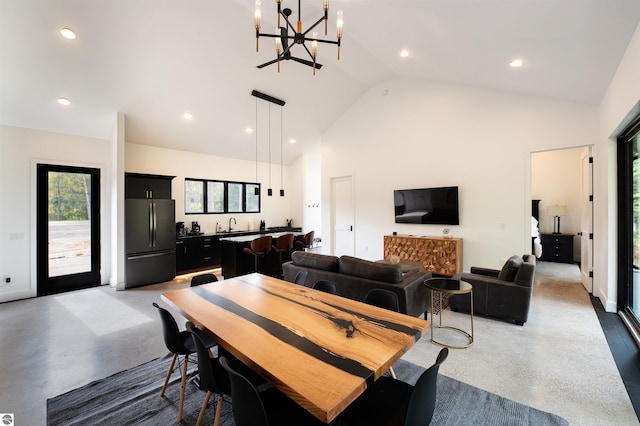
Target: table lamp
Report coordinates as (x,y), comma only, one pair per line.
(557,211)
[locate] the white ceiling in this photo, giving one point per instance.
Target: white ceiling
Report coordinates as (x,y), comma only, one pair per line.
(154,60)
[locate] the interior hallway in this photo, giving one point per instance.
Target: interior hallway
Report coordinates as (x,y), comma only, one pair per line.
(558,362)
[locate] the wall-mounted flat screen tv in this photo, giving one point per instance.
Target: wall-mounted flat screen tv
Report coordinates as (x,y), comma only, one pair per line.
(434,206)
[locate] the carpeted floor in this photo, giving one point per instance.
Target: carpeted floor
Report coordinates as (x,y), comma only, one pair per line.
(133,397)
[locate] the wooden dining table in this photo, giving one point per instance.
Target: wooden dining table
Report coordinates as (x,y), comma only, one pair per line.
(320,349)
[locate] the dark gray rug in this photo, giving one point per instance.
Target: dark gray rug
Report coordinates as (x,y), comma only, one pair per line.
(132,397)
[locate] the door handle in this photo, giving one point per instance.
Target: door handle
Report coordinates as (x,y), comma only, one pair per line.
(351,228)
(150,224)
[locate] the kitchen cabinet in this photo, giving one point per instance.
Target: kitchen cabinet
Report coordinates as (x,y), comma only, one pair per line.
(147,186)
(197,252)
(557,248)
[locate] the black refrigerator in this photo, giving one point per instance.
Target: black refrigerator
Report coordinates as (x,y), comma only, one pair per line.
(150,241)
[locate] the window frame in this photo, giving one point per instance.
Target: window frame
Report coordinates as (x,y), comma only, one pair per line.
(226,184)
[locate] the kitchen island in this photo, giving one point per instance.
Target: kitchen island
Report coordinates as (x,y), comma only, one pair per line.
(235,262)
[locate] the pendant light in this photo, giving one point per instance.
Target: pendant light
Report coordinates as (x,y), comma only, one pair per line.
(269,191)
(256,190)
(281,162)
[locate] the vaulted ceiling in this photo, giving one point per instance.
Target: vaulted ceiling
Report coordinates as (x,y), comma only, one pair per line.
(156,60)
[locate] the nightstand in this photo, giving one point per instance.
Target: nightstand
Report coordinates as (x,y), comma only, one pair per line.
(557,248)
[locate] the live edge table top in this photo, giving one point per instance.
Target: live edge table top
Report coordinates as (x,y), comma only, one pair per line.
(320,349)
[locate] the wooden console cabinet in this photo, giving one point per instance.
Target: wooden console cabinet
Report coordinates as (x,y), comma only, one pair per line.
(438,255)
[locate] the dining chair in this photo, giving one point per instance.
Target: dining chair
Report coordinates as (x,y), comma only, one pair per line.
(213,378)
(300,277)
(385,299)
(326,286)
(259,248)
(393,402)
(382,298)
(269,407)
(197,280)
(283,245)
(178,343)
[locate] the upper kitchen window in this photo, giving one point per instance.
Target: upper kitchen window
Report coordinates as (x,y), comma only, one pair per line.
(202,196)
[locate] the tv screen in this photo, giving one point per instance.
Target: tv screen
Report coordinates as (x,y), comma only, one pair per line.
(435,206)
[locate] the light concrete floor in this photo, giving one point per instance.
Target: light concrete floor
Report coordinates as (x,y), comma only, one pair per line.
(558,361)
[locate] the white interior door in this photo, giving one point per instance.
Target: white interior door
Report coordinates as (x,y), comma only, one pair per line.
(586,222)
(342,216)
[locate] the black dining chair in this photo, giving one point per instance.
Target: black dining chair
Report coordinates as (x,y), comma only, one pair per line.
(393,402)
(213,378)
(178,343)
(197,280)
(269,407)
(300,277)
(326,286)
(382,298)
(259,248)
(385,299)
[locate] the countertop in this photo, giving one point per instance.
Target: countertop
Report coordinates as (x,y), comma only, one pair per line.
(226,235)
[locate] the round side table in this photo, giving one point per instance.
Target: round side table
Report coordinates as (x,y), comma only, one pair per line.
(449,286)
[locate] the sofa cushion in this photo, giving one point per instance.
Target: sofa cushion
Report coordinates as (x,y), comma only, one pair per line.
(370,270)
(315,260)
(510,268)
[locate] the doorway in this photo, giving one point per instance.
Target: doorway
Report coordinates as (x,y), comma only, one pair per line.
(67,228)
(563,180)
(342,216)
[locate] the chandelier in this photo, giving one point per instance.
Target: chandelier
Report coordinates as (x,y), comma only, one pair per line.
(284,41)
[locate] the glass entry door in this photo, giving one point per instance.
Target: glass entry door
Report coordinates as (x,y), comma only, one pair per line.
(68,228)
(633,303)
(629,224)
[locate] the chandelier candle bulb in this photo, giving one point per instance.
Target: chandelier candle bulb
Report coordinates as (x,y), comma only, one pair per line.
(258,14)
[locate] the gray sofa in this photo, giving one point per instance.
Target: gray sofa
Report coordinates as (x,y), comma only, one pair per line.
(354,278)
(504,293)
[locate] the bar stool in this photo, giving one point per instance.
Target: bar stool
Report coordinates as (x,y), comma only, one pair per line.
(283,245)
(307,241)
(260,247)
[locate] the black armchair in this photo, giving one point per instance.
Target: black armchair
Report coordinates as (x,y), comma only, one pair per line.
(504,293)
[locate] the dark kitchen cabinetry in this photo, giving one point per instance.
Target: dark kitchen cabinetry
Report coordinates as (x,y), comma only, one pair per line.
(197,252)
(147,186)
(557,248)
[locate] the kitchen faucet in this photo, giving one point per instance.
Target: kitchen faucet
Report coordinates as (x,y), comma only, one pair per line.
(234,221)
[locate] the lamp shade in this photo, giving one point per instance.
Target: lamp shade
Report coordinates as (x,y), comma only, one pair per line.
(557,210)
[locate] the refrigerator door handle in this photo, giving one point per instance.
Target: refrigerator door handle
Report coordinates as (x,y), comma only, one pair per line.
(150,224)
(155,223)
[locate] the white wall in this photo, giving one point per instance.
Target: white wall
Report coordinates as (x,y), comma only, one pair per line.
(619,105)
(20,150)
(556,179)
(162,161)
(408,133)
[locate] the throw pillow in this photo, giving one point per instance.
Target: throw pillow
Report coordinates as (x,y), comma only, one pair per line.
(510,269)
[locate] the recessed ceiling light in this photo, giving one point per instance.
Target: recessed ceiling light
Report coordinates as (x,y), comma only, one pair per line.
(404,53)
(187,115)
(248,130)
(516,63)
(292,141)
(64,101)
(68,33)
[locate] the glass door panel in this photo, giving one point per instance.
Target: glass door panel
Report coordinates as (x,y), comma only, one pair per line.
(634,293)
(68,228)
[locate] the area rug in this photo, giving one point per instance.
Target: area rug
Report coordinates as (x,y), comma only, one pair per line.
(132,397)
